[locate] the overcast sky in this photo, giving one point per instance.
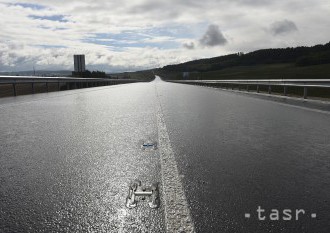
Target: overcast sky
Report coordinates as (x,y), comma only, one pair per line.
(122,35)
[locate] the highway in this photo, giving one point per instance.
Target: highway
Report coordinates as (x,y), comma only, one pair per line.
(67,159)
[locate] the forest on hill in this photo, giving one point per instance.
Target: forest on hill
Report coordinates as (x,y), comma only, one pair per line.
(299,56)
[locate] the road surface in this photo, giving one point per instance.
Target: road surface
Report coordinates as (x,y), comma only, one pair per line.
(66,160)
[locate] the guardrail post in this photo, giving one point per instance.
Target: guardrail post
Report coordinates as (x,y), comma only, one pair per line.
(285,90)
(269,89)
(32,84)
(239,87)
(14,89)
(58,86)
(247,88)
(47,86)
(258,89)
(305,92)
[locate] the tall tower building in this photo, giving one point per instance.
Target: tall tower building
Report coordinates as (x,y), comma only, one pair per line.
(79,63)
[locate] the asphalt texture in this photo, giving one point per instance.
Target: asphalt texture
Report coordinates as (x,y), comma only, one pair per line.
(66,160)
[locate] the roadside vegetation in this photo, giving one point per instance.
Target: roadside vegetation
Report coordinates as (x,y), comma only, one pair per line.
(267,71)
(287,63)
(145,75)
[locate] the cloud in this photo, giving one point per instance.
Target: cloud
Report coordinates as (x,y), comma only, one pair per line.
(189,45)
(283,27)
(213,37)
(121,34)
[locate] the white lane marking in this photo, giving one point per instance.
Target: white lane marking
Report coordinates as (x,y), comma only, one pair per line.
(177,213)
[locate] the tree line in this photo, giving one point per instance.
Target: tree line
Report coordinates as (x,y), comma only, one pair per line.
(300,56)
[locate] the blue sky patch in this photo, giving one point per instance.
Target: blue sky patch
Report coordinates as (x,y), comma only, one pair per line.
(57,18)
(142,38)
(30,5)
(129,39)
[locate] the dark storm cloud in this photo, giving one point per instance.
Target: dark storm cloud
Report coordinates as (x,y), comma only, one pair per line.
(189,45)
(213,37)
(283,27)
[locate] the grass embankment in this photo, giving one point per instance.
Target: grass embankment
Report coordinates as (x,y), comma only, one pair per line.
(274,71)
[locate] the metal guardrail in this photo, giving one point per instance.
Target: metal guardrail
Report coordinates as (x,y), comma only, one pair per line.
(70,83)
(285,83)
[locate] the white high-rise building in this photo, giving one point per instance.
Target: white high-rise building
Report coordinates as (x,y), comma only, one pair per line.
(79,63)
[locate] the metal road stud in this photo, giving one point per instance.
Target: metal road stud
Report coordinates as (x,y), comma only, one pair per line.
(154,202)
(136,189)
(149,145)
(130,200)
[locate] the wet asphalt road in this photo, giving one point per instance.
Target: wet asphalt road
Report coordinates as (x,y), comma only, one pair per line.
(66,160)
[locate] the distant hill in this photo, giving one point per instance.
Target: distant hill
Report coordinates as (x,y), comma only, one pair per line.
(44,73)
(144,75)
(300,56)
